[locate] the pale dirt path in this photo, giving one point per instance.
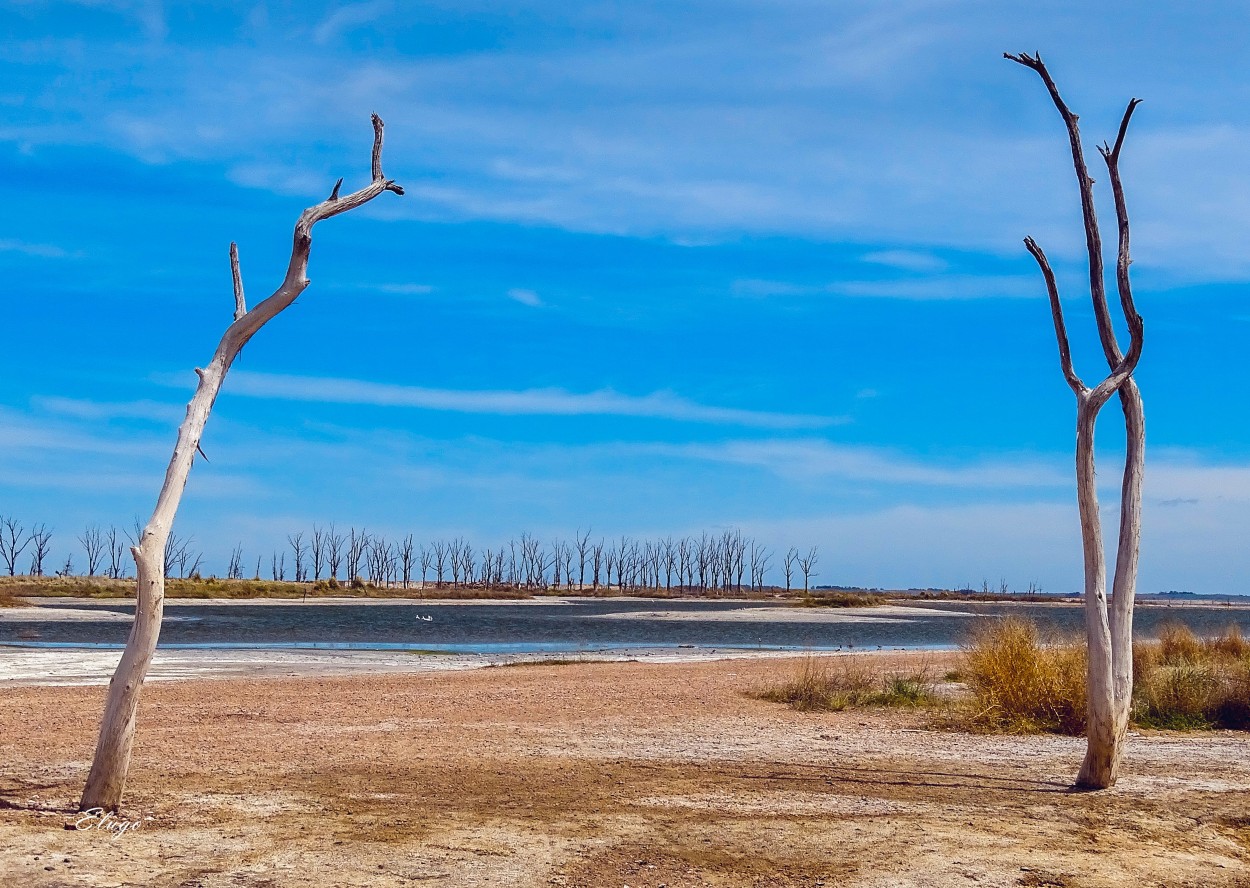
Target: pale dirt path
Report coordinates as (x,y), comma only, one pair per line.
(596,775)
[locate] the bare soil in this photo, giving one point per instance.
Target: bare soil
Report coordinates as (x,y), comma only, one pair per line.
(596,774)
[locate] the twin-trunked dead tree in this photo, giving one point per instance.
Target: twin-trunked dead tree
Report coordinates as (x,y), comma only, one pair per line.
(1108,623)
(112,755)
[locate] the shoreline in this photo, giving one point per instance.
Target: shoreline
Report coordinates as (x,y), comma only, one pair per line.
(69,666)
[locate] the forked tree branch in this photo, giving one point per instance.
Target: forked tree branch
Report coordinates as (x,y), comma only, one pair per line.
(295,280)
(1093,239)
(1121,373)
(1119,139)
(1123,258)
(1056,311)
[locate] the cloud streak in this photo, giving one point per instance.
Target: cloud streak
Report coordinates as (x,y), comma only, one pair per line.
(813,459)
(544,401)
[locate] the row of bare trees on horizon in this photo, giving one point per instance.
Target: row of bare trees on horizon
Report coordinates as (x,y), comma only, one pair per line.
(711,563)
(104,551)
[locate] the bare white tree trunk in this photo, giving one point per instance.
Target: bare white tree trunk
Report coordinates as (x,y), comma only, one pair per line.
(109,767)
(1108,623)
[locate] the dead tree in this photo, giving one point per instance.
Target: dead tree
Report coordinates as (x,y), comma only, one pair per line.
(1108,621)
(93,545)
(334,552)
(806,564)
(557,563)
(298,550)
(13,540)
(109,767)
(175,553)
(234,571)
(116,550)
(596,563)
(41,543)
(760,557)
(440,562)
(792,555)
(426,559)
(467,562)
(357,546)
(317,551)
(406,551)
(669,560)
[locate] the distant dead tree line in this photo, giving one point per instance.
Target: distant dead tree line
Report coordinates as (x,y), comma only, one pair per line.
(711,563)
(103,551)
(721,563)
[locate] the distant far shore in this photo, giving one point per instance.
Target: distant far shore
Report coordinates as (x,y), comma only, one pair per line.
(329,589)
(15,590)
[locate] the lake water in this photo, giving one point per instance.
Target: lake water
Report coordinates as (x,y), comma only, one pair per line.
(558,625)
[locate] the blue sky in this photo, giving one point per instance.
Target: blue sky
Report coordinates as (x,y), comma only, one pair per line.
(660,268)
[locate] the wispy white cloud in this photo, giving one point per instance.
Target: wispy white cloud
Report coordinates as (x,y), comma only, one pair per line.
(106,410)
(1178,477)
(667,122)
(934,287)
(24,436)
(762,288)
(907,260)
(41,251)
(349,17)
(406,289)
(942,287)
(548,401)
(288,180)
(814,459)
(525,297)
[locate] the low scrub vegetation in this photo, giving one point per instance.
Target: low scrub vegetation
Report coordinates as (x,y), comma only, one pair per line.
(832,684)
(841,599)
(1020,680)
(1017,678)
(1185,682)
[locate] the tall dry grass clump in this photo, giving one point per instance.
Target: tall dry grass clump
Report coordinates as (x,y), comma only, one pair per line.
(1184,682)
(831,684)
(1022,682)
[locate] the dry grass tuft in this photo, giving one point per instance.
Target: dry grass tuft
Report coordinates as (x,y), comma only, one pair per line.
(1022,682)
(1184,682)
(831,684)
(8,599)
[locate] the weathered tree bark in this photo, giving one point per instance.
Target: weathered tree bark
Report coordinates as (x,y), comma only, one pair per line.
(109,767)
(1108,624)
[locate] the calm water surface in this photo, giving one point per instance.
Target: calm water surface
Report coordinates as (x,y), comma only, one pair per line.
(577,625)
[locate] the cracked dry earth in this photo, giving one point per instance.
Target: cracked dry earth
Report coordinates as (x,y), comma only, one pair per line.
(590,775)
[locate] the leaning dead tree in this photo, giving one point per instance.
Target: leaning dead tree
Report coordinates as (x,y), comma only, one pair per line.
(1108,620)
(112,755)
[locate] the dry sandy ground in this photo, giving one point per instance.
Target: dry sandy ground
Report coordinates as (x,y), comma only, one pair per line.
(595,774)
